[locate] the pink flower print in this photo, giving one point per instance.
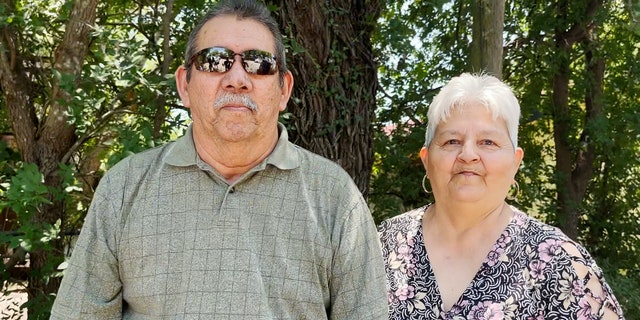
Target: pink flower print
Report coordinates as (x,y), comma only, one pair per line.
(585,311)
(577,288)
(494,256)
(536,269)
(518,220)
(391,299)
(404,252)
(410,269)
(404,292)
(486,311)
(549,249)
(410,240)
(503,241)
(494,312)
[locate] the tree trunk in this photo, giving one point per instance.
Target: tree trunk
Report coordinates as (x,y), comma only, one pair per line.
(16,89)
(161,101)
(574,161)
(486,47)
(45,142)
(333,100)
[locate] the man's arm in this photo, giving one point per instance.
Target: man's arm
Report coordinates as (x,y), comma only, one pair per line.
(91,287)
(358,277)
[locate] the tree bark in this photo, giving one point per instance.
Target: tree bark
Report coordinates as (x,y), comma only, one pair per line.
(333,100)
(486,47)
(45,141)
(574,165)
(161,101)
(16,88)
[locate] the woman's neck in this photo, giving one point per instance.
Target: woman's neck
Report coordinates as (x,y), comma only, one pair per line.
(467,220)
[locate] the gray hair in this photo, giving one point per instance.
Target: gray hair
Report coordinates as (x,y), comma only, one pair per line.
(243,9)
(488,90)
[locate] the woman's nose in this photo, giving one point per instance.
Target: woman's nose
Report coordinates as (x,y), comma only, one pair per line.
(469,152)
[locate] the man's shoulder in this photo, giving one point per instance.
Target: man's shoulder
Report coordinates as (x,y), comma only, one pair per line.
(140,161)
(310,159)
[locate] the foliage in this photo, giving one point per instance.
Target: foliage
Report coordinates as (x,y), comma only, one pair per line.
(625,284)
(415,40)
(24,195)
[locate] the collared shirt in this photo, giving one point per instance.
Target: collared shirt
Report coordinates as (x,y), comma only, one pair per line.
(167,238)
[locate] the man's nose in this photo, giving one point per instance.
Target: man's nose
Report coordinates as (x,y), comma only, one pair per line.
(236,78)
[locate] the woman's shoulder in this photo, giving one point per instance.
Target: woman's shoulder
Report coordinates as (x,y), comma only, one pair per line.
(545,237)
(534,228)
(404,223)
(558,261)
(404,218)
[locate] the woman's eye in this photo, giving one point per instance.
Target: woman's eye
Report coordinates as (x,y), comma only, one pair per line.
(452,141)
(487,142)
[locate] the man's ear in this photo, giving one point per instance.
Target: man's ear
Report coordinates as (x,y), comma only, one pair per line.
(182,85)
(287,87)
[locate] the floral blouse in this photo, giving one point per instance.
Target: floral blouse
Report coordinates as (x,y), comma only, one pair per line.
(528,274)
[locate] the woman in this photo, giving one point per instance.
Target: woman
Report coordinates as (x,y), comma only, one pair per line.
(470,255)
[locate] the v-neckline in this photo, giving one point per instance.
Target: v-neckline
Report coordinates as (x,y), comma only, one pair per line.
(431,273)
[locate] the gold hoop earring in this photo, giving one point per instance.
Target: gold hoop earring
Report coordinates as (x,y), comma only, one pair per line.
(424,179)
(514,195)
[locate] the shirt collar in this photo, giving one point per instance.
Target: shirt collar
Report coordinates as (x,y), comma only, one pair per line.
(183,153)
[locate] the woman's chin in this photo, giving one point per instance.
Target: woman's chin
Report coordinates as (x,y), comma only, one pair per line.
(469,195)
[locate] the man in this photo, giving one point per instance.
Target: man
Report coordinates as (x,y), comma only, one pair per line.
(230,221)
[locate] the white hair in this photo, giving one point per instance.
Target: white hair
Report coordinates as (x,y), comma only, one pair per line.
(488,90)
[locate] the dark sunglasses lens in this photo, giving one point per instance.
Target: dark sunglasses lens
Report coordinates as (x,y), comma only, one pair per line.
(213,60)
(259,62)
(217,59)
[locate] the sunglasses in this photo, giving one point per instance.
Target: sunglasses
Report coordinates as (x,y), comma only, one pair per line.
(218,59)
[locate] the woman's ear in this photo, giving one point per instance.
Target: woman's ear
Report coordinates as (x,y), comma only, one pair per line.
(519,156)
(424,155)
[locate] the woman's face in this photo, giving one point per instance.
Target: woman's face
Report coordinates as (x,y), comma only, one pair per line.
(471,158)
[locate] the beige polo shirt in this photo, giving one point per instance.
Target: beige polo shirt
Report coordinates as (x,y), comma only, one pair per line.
(167,238)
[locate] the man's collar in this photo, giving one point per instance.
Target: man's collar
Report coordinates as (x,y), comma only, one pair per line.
(183,153)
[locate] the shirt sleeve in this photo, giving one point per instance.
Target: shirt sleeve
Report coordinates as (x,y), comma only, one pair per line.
(91,287)
(578,289)
(357,281)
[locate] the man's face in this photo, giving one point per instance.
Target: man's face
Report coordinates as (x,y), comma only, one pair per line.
(213,97)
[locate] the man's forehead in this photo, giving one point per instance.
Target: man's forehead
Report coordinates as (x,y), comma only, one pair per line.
(235,33)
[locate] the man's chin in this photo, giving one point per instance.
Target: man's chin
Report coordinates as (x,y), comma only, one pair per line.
(236,132)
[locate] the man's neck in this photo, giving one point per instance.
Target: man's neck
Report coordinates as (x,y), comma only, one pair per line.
(233,159)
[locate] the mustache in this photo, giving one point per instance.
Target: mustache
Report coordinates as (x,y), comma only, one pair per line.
(230,98)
